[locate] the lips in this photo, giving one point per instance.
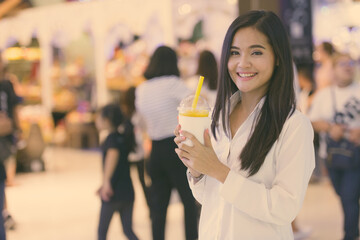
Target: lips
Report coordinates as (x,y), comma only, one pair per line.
(247,75)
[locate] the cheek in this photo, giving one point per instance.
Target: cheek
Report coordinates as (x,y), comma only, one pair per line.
(269,67)
(231,67)
(340,73)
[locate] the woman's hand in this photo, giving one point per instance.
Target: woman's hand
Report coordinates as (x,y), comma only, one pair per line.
(106,191)
(199,157)
(178,140)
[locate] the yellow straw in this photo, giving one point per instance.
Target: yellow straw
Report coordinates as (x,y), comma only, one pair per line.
(197,94)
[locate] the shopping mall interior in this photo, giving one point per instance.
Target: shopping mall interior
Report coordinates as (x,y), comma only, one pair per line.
(64,68)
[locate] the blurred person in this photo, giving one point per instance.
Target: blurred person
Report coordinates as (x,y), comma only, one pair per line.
(11,163)
(323,72)
(335,111)
(306,96)
(208,68)
(9,125)
(305,87)
(324,77)
(157,100)
(137,157)
(251,176)
(116,191)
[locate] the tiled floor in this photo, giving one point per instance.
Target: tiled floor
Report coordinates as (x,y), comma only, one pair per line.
(60,204)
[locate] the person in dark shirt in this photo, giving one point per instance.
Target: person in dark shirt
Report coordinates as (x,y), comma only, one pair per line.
(116,192)
(8,124)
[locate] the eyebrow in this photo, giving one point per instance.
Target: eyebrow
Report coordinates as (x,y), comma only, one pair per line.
(252,46)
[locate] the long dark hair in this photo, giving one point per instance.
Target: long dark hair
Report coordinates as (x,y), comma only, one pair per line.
(127,100)
(208,68)
(113,113)
(328,48)
(279,102)
(163,62)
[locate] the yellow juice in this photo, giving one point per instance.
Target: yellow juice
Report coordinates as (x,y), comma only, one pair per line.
(195,113)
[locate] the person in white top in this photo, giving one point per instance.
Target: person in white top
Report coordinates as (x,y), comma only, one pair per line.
(157,100)
(341,102)
(324,75)
(251,175)
(208,68)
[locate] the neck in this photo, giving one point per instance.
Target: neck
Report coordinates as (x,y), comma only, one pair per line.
(249,102)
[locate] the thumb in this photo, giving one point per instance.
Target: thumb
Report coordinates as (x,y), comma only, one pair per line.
(207,139)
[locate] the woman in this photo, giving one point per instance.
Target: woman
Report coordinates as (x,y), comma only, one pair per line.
(9,125)
(208,68)
(335,112)
(157,100)
(251,178)
(324,76)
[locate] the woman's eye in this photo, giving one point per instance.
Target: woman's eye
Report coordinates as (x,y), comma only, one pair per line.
(234,53)
(257,53)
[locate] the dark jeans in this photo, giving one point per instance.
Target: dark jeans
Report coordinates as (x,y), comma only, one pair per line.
(347,186)
(168,172)
(140,166)
(2,197)
(106,213)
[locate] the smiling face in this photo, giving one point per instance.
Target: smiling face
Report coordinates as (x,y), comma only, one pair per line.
(251,62)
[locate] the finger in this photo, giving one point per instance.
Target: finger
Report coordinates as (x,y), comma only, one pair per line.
(177,130)
(185,147)
(190,136)
(207,139)
(185,161)
(179,139)
(182,154)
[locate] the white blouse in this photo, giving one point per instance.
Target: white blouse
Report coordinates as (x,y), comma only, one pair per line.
(264,205)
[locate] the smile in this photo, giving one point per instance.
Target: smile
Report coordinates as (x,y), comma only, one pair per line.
(246,75)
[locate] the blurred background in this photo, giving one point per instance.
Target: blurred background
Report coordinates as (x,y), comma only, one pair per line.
(68,58)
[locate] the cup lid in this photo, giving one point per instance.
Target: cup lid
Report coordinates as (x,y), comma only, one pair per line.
(186,104)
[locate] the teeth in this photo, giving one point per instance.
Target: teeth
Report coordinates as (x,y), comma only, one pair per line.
(247,74)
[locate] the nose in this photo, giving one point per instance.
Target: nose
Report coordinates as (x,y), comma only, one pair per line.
(244,61)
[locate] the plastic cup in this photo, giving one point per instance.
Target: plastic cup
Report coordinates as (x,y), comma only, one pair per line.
(194,121)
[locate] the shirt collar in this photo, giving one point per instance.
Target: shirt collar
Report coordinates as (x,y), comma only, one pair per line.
(236,98)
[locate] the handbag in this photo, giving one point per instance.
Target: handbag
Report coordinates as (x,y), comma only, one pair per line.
(342,154)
